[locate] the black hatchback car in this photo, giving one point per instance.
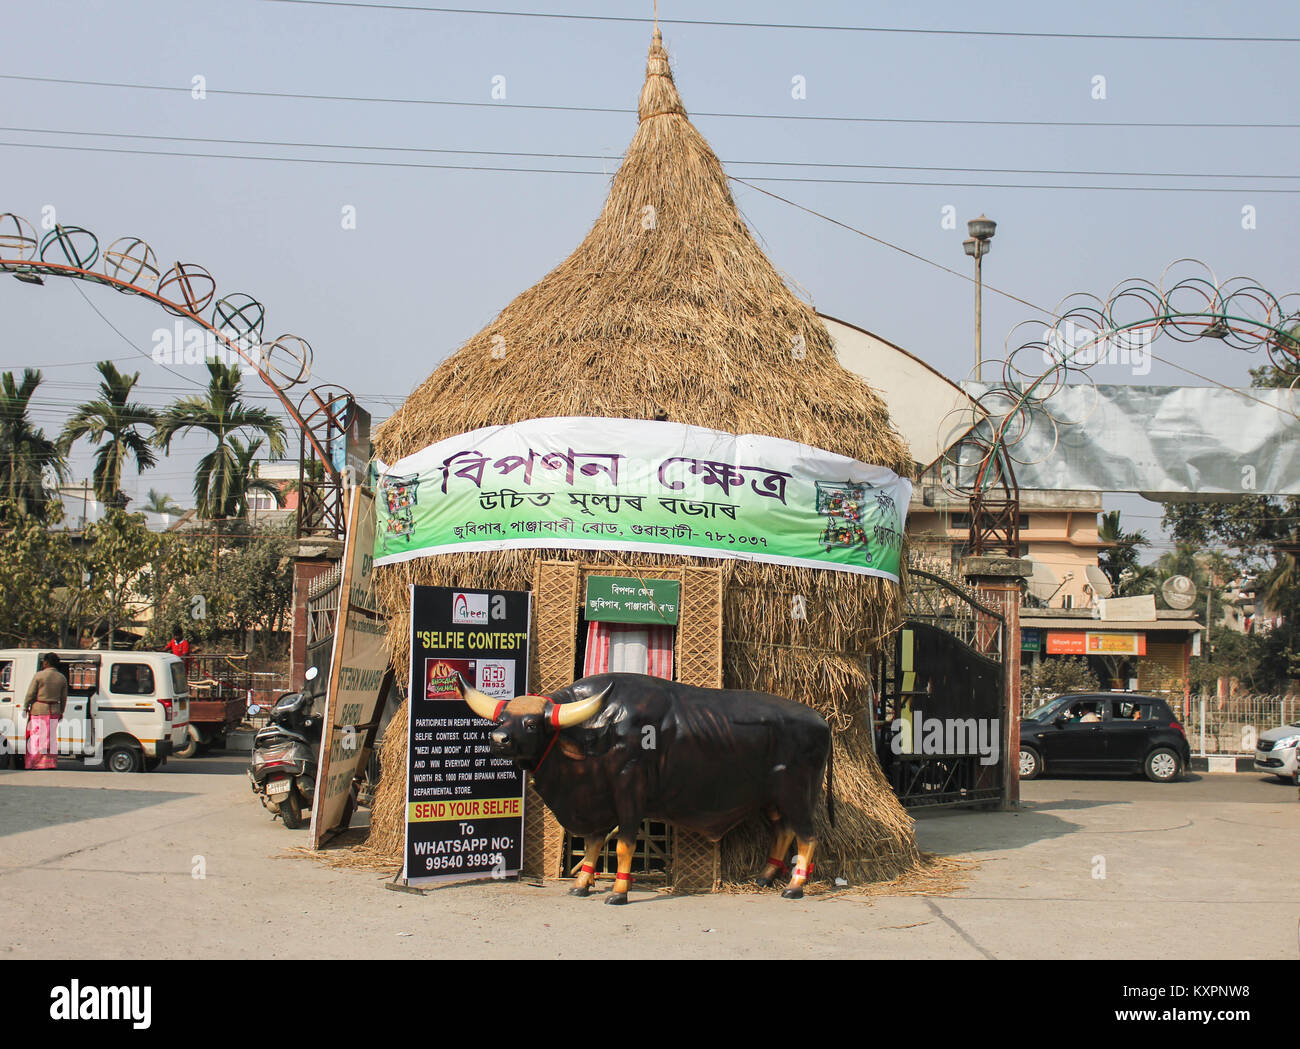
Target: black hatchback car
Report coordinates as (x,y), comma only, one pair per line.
(1104,732)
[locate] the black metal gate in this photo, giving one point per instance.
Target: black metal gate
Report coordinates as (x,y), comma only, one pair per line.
(942,698)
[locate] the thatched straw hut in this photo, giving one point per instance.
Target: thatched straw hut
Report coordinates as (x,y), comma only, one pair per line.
(669,310)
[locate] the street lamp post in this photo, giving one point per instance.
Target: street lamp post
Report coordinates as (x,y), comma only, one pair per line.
(977,246)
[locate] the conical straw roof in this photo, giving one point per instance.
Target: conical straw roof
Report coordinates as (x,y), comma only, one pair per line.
(668,309)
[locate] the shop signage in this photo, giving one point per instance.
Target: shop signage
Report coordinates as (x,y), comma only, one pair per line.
(618,599)
(1090,643)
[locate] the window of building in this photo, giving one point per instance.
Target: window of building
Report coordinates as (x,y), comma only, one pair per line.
(1067,600)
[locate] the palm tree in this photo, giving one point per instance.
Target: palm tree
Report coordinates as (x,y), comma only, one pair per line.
(1120,561)
(161,503)
(115,422)
(25,452)
(246,479)
(222,413)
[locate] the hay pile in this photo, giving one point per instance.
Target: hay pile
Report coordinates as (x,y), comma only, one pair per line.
(670,310)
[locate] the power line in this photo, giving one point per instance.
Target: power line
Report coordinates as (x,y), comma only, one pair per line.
(607,157)
(569,171)
(317,160)
(911,254)
(1008,33)
(621,111)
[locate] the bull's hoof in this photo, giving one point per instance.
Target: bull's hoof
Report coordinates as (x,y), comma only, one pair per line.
(580,890)
(617,899)
(764,883)
(792,894)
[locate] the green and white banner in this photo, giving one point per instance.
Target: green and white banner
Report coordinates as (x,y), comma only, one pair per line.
(631,484)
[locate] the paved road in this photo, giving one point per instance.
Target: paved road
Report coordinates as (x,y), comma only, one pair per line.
(185,863)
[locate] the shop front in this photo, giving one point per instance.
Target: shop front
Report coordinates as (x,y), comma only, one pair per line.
(1152,656)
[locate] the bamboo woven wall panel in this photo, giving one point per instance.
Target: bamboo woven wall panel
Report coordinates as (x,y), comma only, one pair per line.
(555,625)
(535,813)
(699,630)
(651,861)
(555,638)
(543,837)
(697,862)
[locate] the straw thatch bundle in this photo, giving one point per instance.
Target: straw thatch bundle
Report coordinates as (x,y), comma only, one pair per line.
(669,310)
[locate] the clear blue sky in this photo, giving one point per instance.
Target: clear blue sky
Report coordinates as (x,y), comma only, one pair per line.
(436,253)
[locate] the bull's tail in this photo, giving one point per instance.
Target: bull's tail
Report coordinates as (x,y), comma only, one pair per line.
(830,796)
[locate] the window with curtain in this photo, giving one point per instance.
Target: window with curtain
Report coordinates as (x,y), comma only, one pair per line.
(629,648)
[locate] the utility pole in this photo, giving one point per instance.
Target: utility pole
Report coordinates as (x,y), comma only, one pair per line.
(977,246)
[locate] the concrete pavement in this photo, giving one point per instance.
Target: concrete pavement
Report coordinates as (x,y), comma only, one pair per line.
(185,863)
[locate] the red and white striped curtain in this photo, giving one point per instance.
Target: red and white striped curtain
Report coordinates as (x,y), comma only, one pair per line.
(628,648)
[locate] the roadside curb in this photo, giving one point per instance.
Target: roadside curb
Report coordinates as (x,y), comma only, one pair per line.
(1222,763)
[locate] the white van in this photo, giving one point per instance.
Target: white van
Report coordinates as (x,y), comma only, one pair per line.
(128,710)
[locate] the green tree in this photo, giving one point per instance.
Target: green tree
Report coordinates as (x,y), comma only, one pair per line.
(1055,675)
(161,503)
(249,593)
(39,569)
(26,454)
(120,554)
(246,481)
(113,424)
(1120,562)
(221,413)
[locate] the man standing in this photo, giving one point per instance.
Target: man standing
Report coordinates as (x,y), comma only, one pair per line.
(47,696)
(178,646)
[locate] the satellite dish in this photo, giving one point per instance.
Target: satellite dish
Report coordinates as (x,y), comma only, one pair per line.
(1178,591)
(1098,581)
(1044,582)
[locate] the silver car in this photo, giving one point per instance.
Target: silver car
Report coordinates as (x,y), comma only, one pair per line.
(1276,751)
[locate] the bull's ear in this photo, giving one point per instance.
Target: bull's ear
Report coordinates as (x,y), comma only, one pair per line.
(483,706)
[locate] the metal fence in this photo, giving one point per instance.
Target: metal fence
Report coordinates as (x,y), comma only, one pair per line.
(1232,725)
(231,675)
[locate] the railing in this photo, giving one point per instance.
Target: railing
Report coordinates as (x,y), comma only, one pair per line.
(323,603)
(957,610)
(1233,725)
(229,675)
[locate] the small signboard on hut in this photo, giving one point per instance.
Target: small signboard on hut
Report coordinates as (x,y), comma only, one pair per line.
(615,599)
(464,808)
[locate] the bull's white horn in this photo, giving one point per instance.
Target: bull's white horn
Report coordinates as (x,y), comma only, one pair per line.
(483,706)
(566,715)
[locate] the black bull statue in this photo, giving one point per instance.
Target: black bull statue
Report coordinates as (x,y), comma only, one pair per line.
(613,749)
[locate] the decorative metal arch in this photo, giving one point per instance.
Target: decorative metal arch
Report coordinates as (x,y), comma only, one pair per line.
(187,290)
(1084,331)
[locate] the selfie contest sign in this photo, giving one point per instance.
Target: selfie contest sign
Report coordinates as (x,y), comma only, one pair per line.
(464,808)
(654,487)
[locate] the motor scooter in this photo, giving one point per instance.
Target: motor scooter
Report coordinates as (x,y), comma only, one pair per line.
(286,754)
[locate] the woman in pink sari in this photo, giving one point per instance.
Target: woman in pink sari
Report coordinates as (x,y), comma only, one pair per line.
(46,698)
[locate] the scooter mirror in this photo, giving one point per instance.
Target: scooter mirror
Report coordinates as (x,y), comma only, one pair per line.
(254,709)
